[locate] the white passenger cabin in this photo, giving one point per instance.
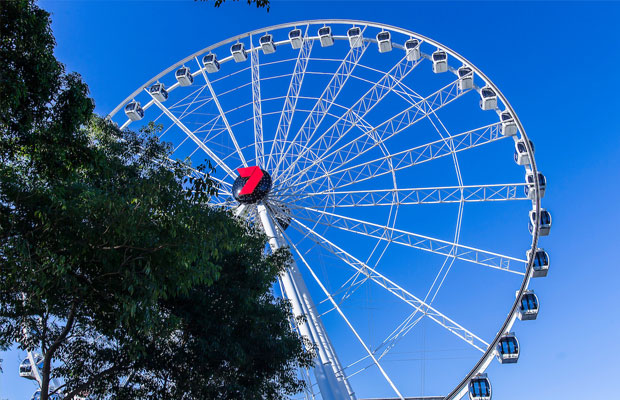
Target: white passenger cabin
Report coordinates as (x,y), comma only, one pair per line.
(540,263)
(412,49)
(521,156)
(134,111)
(528,306)
(530,189)
(509,126)
(295,38)
(267,44)
(488,98)
(238,52)
(545,222)
(325,36)
(466,77)
(507,350)
(355,37)
(159,92)
(479,388)
(384,41)
(184,76)
(440,61)
(211,63)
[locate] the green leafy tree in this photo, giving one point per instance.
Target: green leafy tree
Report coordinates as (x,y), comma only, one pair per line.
(111,263)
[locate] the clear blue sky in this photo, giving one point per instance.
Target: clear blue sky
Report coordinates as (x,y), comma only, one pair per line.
(558,65)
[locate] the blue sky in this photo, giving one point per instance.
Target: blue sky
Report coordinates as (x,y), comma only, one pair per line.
(556,63)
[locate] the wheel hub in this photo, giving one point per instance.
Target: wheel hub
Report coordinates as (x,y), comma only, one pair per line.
(252,185)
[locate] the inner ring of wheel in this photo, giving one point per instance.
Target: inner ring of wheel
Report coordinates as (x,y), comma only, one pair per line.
(486,358)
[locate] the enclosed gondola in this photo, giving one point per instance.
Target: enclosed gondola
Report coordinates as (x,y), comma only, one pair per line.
(507,349)
(384,41)
(325,36)
(295,38)
(134,111)
(466,77)
(509,126)
(25,367)
(238,52)
(211,63)
(488,98)
(412,49)
(184,76)
(440,61)
(530,189)
(521,156)
(545,222)
(355,37)
(540,262)
(480,388)
(159,92)
(528,306)
(267,44)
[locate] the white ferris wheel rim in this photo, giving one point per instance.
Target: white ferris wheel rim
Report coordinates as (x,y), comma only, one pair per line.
(461,388)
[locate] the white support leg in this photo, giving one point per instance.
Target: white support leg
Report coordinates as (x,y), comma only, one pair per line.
(328,371)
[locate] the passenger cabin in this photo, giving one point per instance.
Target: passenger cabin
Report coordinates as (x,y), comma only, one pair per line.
(211,63)
(528,306)
(184,76)
(509,126)
(384,41)
(530,189)
(267,44)
(540,264)
(295,38)
(412,49)
(545,222)
(355,37)
(440,61)
(25,368)
(466,77)
(238,52)
(521,157)
(507,350)
(134,111)
(325,36)
(159,92)
(480,388)
(488,98)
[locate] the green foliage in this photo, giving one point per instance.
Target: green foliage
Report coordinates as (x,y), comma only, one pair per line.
(112,265)
(258,3)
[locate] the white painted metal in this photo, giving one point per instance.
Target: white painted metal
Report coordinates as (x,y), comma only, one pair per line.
(259,145)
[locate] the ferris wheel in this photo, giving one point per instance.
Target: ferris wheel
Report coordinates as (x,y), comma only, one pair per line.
(398,175)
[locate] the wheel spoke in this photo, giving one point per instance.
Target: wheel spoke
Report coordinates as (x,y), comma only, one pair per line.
(387,129)
(417,241)
(409,196)
(200,144)
(259,146)
(393,288)
(290,102)
(323,104)
(350,118)
(403,159)
(222,114)
(346,320)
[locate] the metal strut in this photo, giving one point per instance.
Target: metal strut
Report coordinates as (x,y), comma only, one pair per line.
(328,370)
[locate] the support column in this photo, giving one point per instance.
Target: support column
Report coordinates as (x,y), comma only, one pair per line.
(328,371)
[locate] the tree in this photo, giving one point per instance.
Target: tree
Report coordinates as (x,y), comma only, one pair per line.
(112,264)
